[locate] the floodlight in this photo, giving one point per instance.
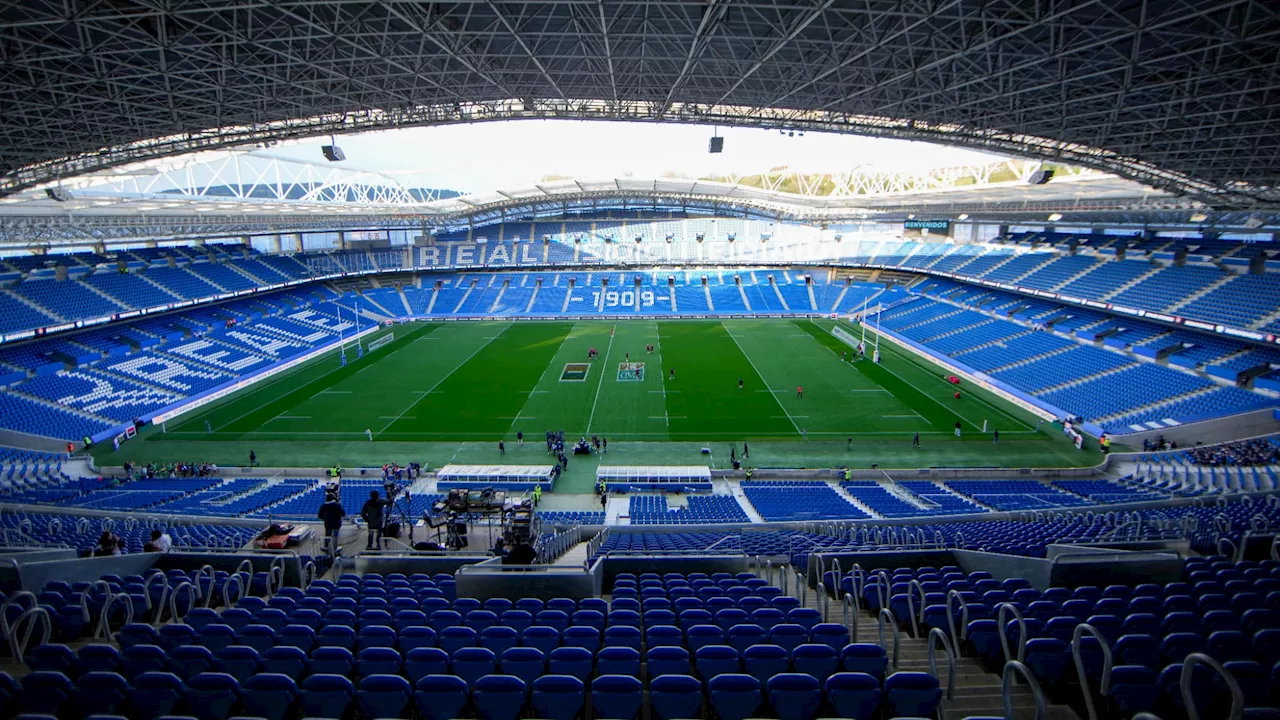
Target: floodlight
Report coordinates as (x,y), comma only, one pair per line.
(1055,217)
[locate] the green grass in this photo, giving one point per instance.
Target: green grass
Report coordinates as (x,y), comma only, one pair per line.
(450,391)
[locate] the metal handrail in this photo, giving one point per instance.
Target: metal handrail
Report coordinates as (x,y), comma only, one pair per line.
(18,647)
(803,587)
(1004,636)
(964,616)
(893,623)
(103,631)
(1006,687)
(1105,684)
(882,587)
(911,605)
(173,600)
(1234,555)
(938,635)
(1188,699)
(823,600)
(850,609)
(18,598)
(226,590)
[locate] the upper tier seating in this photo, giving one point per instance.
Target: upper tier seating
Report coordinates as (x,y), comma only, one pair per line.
(798,500)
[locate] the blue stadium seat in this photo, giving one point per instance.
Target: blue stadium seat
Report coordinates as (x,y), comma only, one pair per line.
(713,660)
(665,660)
(573,661)
(238,661)
(617,697)
(285,660)
(472,663)
(675,696)
(325,695)
(558,697)
(191,660)
(332,661)
(618,661)
(545,639)
(441,697)
(384,696)
(100,693)
(912,694)
(820,661)
(422,661)
(210,696)
(853,695)
(416,637)
(499,697)
(269,695)
(734,696)
(795,696)
(525,663)
(155,694)
(378,661)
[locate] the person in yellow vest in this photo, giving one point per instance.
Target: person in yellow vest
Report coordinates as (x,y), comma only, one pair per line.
(537,494)
(847,474)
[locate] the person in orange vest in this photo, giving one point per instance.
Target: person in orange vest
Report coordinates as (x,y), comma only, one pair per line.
(71,448)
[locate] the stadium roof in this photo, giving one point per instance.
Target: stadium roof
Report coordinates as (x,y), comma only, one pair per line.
(1180,95)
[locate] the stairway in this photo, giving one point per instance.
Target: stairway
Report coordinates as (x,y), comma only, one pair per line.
(435,293)
(465,295)
(574,556)
(778,291)
(735,489)
(977,691)
(408,311)
(707,290)
(533,298)
(743,291)
(855,501)
(839,298)
(497,300)
(813,301)
(1141,278)
(33,305)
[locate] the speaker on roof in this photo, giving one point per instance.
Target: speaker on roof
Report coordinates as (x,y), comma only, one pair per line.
(59,194)
(717,145)
(333,153)
(1040,177)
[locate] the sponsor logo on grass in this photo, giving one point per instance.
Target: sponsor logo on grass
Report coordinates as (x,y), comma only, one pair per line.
(381,341)
(574,372)
(630,372)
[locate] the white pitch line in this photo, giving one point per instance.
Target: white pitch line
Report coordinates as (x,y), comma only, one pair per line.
(446,377)
(662,378)
(291,417)
(603,368)
(334,392)
(757,371)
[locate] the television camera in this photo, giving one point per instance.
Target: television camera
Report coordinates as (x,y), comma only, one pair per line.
(462,507)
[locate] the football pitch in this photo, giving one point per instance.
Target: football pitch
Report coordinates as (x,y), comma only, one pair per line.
(467,385)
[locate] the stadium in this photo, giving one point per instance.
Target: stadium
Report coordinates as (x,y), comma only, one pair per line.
(640,361)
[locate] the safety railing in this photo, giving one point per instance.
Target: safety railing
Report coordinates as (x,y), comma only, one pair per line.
(936,637)
(1011,668)
(1001,609)
(849,607)
(963,632)
(1188,696)
(1104,684)
(911,606)
(887,615)
(103,631)
(19,635)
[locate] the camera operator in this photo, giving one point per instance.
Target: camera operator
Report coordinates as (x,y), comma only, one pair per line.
(332,513)
(373,513)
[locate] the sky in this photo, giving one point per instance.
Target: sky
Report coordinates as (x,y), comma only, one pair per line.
(510,154)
